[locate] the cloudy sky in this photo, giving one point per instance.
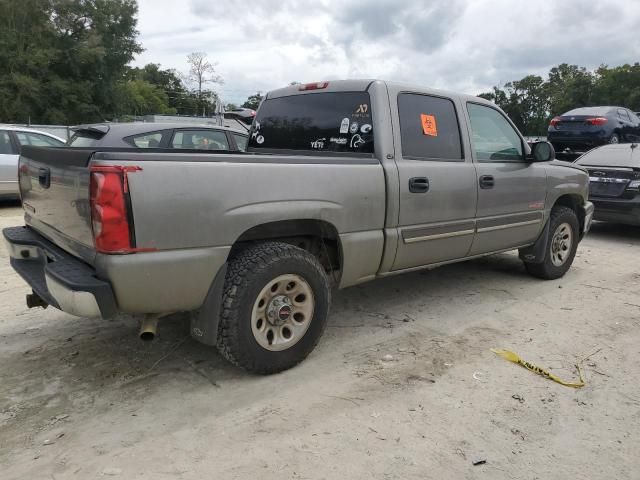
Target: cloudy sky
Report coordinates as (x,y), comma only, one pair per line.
(460,45)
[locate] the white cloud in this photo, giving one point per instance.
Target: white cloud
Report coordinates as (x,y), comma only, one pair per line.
(461,45)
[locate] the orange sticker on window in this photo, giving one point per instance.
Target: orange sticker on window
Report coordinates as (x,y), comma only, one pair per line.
(429,125)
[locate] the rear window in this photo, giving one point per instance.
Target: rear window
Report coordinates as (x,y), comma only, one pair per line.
(84,138)
(337,122)
(589,111)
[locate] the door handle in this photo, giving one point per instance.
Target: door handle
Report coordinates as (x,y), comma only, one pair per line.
(419,185)
(487,181)
(44,177)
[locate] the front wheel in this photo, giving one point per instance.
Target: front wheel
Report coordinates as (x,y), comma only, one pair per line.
(275,306)
(564,229)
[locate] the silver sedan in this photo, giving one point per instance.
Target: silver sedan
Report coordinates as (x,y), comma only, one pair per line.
(11,141)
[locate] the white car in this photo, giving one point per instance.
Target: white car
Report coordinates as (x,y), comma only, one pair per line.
(11,141)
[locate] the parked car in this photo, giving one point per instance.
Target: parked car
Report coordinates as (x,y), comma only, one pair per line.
(614,175)
(12,139)
(244,115)
(343,182)
(584,128)
(158,135)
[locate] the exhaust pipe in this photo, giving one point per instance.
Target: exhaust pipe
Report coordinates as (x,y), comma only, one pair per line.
(149,327)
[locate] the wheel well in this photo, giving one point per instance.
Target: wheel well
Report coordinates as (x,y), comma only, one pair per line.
(573,202)
(318,237)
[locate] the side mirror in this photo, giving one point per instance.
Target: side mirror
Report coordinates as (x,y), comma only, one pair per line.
(542,152)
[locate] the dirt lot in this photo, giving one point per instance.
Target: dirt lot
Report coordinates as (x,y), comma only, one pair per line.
(86,399)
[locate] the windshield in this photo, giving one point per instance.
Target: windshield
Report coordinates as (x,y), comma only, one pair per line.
(338,122)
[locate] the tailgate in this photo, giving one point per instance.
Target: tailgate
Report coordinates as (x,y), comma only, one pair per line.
(54,185)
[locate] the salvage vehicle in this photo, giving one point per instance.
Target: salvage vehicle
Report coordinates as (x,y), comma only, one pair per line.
(343,182)
(12,139)
(614,176)
(158,135)
(582,129)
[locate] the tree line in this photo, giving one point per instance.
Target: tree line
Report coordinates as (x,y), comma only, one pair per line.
(67,62)
(533,101)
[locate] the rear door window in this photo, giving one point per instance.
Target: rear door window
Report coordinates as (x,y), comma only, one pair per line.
(200,140)
(6,148)
(37,140)
(623,115)
(429,128)
(332,122)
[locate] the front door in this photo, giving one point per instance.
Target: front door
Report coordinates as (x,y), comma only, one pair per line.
(511,190)
(438,186)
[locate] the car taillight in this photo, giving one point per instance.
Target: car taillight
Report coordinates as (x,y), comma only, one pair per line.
(596,121)
(313,86)
(109,213)
(555,121)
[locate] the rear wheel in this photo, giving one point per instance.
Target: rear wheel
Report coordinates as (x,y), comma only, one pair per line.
(615,138)
(275,307)
(564,229)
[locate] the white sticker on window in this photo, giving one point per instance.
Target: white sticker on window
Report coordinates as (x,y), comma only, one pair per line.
(344,126)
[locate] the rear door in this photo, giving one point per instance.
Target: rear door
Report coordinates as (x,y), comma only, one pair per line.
(511,190)
(438,187)
(8,164)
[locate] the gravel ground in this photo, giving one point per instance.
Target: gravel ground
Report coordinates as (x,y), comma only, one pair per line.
(402,386)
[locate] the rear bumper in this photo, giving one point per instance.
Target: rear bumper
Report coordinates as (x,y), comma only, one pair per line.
(9,189)
(58,278)
(618,210)
(562,140)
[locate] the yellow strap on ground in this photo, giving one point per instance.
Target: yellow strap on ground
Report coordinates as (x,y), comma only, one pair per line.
(515,358)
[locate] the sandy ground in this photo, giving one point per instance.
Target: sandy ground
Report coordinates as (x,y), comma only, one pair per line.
(86,399)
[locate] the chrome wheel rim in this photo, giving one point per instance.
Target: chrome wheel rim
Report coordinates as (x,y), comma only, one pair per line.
(614,139)
(282,312)
(561,244)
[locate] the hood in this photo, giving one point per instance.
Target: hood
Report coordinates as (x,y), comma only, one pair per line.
(575,166)
(621,155)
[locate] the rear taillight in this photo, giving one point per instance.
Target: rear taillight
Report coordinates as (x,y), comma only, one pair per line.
(109,212)
(313,86)
(555,121)
(596,121)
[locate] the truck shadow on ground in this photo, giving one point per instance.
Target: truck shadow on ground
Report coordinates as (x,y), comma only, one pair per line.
(614,232)
(13,203)
(108,356)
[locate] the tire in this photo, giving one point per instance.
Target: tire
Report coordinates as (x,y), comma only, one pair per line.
(614,138)
(256,301)
(564,227)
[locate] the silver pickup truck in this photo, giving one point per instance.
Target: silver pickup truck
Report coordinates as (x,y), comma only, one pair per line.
(343,182)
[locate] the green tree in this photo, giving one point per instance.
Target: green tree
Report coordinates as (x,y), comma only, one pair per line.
(569,86)
(253,101)
(139,97)
(63,60)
